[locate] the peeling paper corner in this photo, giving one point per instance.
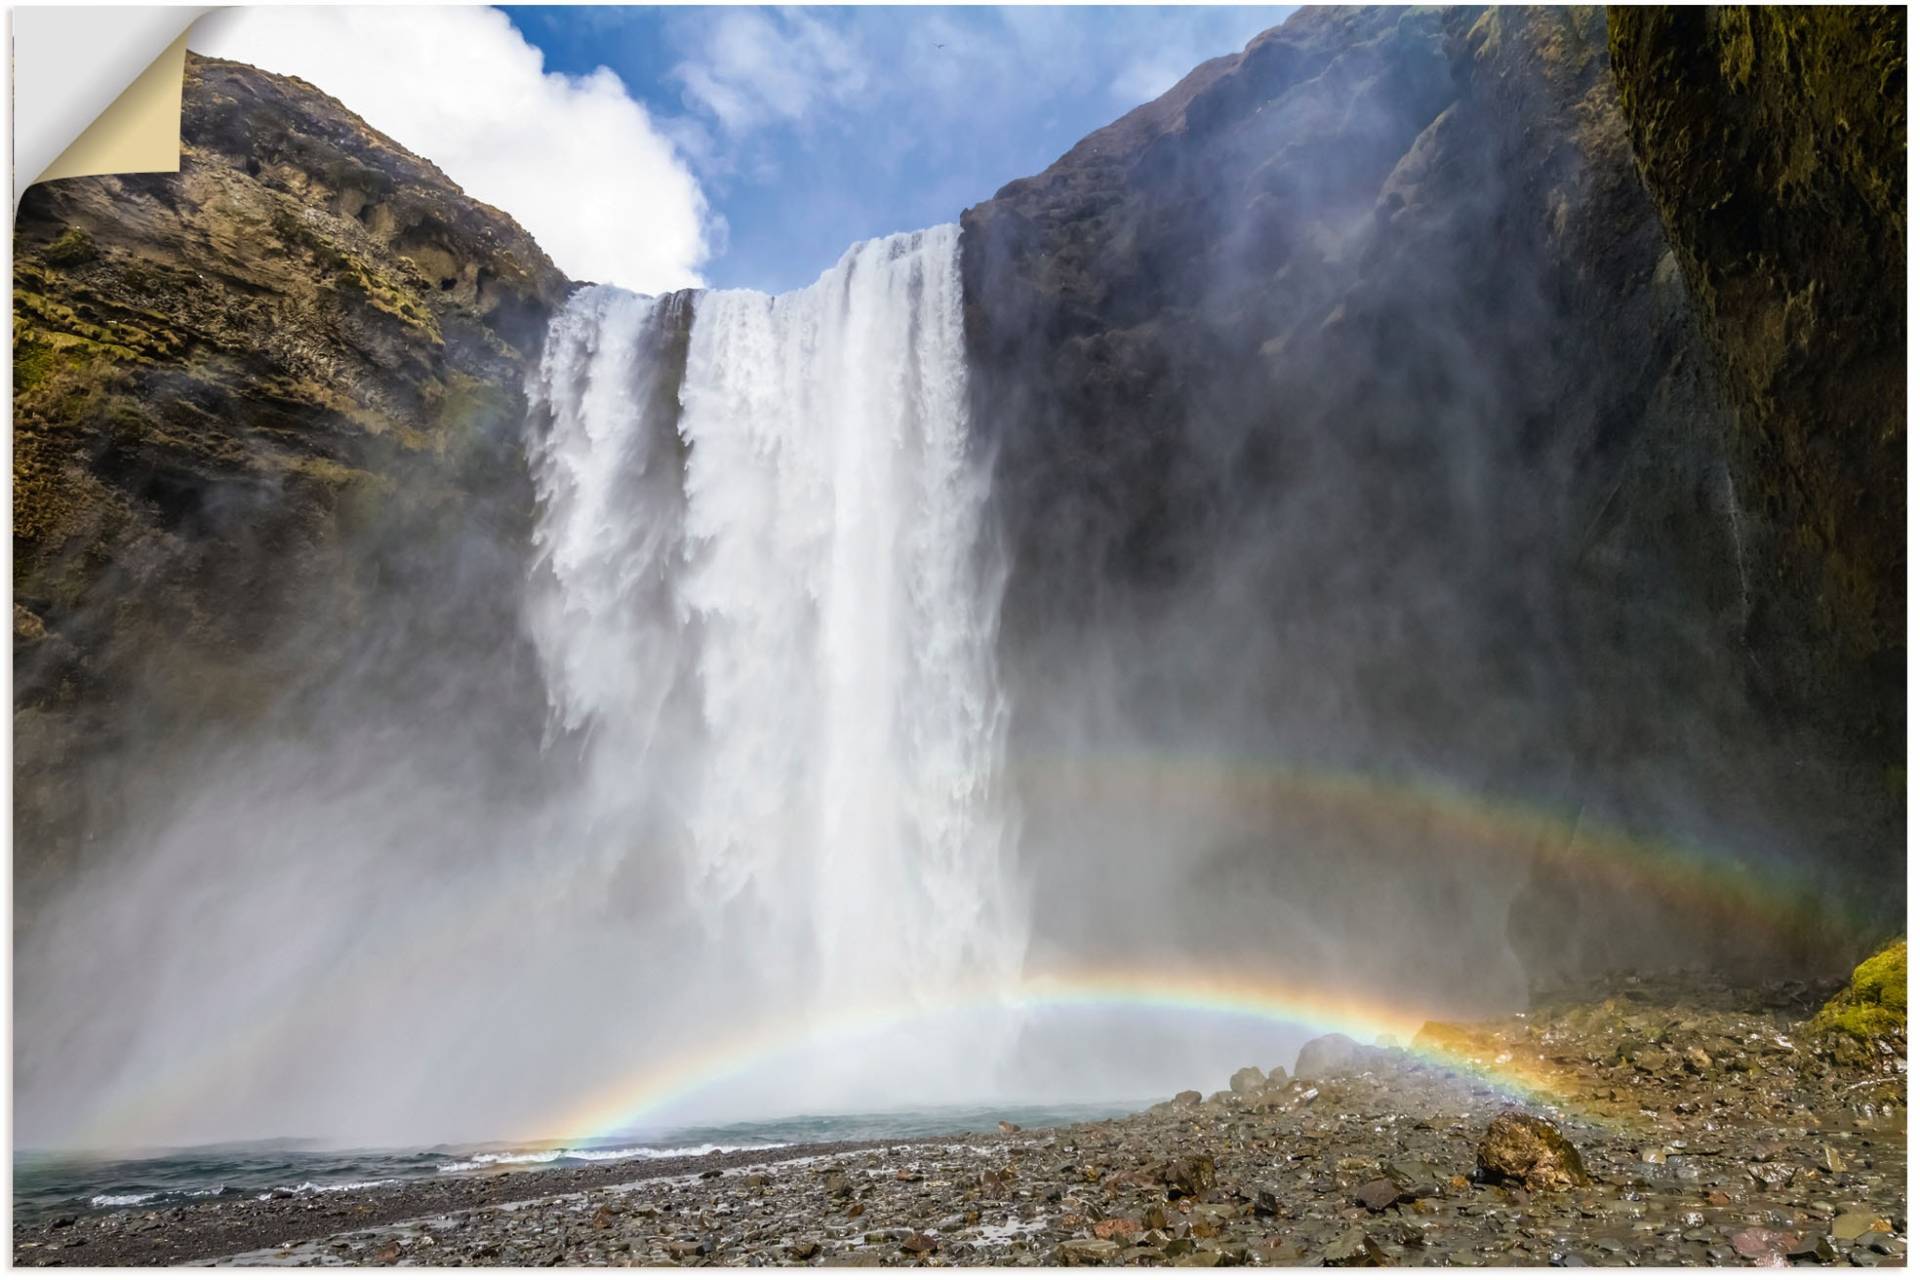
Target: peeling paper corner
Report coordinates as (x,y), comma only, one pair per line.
(96,89)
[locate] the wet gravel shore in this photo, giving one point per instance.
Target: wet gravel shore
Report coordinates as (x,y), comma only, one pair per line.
(1707,1125)
(218,1229)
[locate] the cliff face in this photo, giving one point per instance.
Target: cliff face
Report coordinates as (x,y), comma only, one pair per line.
(1774,142)
(256,403)
(1351,414)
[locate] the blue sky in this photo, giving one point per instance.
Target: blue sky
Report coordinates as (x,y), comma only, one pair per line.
(809,129)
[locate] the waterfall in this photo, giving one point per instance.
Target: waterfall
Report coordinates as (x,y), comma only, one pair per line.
(766,615)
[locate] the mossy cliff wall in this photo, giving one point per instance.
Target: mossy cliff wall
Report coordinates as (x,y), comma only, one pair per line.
(1774,141)
(256,403)
(1352,398)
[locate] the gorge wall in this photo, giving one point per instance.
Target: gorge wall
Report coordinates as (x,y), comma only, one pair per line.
(1431,512)
(268,415)
(1774,143)
(1354,417)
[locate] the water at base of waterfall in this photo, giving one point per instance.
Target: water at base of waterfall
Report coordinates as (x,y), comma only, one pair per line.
(48,1184)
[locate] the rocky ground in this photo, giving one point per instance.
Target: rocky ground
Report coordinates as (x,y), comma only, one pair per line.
(1666,1122)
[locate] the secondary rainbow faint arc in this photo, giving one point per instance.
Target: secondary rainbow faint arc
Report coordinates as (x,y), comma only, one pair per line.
(1503,826)
(635,1097)
(1714,879)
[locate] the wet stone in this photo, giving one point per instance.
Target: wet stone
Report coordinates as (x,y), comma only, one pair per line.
(1526,1150)
(1379,1195)
(1086,1252)
(1851,1226)
(1773,1175)
(1355,1248)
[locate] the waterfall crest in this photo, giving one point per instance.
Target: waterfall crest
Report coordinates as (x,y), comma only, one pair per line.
(767,615)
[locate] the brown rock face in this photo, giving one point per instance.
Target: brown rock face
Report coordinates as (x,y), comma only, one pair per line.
(1351,415)
(266,396)
(1527,1151)
(1773,140)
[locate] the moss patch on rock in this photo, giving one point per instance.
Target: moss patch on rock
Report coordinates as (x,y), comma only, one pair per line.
(1874,1003)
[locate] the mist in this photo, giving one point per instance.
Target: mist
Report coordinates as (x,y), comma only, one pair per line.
(1361,602)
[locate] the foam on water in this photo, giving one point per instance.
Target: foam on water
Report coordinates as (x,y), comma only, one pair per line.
(596,1154)
(121,1202)
(318,1188)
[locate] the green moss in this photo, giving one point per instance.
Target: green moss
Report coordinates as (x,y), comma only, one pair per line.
(53,324)
(465,406)
(32,362)
(356,282)
(1874,1003)
(72,249)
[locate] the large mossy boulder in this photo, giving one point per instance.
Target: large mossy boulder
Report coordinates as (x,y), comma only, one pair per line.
(1873,1004)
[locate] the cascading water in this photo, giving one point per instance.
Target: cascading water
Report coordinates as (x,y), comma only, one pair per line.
(606,619)
(768,614)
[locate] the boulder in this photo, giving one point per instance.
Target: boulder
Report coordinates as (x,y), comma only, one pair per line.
(1873,1004)
(1326,1057)
(1247,1080)
(1523,1150)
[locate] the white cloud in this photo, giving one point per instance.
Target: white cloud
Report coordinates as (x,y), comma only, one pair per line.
(575,160)
(755,67)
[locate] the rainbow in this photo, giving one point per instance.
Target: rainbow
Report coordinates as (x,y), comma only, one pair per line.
(1717,884)
(1720,883)
(631,1101)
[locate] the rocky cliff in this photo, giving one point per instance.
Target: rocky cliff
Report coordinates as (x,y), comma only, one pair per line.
(1774,142)
(1352,415)
(256,403)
